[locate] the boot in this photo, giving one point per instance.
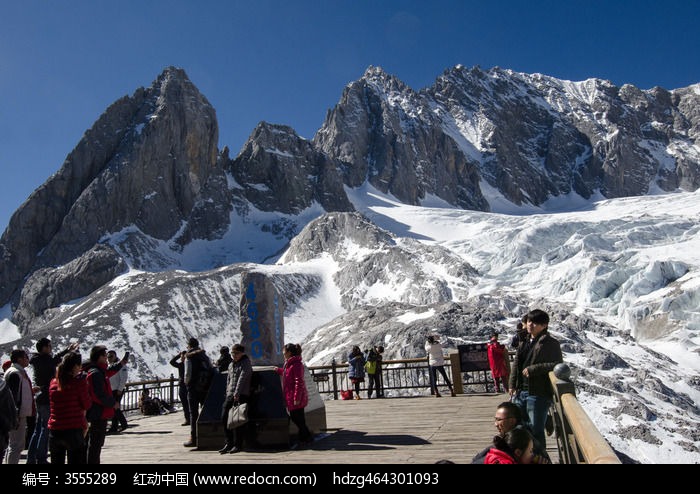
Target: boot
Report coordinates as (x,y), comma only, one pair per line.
(227,448)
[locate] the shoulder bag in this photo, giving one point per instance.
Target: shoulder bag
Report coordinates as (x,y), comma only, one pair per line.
(237,416)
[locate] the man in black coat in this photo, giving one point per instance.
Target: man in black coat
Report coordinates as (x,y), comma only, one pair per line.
(198,371)
(44,365)
(529,378)
(178,361)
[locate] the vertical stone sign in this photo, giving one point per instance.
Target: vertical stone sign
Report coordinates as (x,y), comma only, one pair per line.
(262,320)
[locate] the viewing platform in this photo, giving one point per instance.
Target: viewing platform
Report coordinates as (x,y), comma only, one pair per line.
(420,430)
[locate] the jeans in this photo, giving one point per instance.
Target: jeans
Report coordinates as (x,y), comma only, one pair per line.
(119,418)
(185,403)
(95,440)
(375,382)
(195,399)
(434,369)
(39,444)
(536,408)
(68,442)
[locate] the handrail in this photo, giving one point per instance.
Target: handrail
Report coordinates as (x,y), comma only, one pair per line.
(578,439)
(408,375)
(164,389)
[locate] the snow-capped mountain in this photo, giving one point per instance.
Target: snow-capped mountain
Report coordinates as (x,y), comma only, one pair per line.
(455,208)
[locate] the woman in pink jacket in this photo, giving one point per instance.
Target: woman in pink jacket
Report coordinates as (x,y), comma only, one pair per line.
(294,388)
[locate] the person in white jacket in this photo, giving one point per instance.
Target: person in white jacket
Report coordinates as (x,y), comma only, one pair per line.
(118,382)
(21,386)
(436,363)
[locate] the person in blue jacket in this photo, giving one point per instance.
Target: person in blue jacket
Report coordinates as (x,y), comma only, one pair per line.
(356,369)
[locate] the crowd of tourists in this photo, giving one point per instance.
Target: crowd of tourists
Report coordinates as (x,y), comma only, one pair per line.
(64,414)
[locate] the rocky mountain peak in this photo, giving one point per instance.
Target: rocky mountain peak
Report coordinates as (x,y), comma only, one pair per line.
(145,163)
(383,83)
(148,179)
(277,170)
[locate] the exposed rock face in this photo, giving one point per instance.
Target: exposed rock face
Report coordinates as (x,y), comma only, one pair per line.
(369,258)
(148,179)
(279,171)
(153,314)
(145,163)
(47,288)
(384,133)
(530,137)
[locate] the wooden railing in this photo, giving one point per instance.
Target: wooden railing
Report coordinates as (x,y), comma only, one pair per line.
(578,439)
(404,377)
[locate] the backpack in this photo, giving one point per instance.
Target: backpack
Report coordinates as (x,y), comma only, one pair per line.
(205,376)
(9,416)
(150,407)
(371,366)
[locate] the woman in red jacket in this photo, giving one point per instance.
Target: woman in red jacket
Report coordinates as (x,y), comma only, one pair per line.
(68,401)
(515,447)
(296,396)
(499,363)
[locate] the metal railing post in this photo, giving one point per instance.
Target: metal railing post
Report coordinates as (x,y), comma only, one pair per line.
(172,389)
(335,379)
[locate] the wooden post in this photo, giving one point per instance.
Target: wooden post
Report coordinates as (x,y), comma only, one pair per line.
(456,372)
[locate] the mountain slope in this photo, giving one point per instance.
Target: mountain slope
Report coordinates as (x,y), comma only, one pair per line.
(389,223)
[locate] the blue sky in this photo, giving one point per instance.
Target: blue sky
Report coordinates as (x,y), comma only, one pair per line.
(62,63)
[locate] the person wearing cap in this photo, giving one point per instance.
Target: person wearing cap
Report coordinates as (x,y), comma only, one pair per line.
(499,362)
(44,368)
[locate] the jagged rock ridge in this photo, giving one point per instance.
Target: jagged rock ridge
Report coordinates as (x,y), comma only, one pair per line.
(147,179)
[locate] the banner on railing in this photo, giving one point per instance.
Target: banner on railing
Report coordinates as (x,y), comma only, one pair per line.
(473,357)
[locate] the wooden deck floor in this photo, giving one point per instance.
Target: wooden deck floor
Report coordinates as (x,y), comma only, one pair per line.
(394,430)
